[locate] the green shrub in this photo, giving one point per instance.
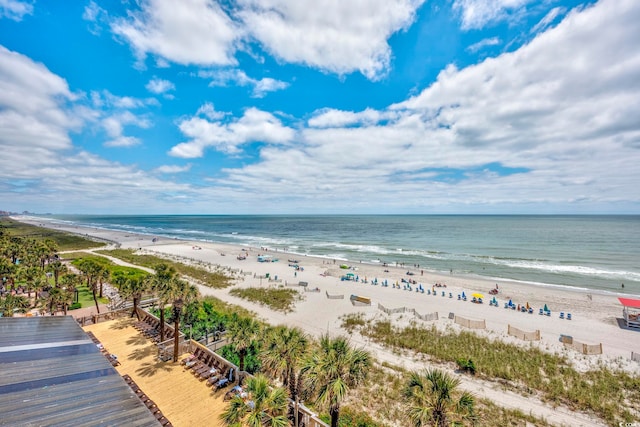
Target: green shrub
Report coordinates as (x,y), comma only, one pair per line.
(467,365)
(75,306)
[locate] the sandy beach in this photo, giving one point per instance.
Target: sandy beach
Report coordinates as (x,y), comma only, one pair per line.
(596,317)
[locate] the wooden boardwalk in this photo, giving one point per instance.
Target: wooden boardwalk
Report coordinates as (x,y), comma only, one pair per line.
(181,397)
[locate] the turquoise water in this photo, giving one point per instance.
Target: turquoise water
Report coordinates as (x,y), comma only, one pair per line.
(591,252)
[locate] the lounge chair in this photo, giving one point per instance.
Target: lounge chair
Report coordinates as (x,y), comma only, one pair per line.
(540,313)
(562,315)
(568,316)
(225,381)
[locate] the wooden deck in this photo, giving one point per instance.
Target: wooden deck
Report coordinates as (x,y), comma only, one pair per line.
(181,397)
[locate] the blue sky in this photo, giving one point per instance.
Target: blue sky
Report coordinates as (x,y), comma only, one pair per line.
(283,106)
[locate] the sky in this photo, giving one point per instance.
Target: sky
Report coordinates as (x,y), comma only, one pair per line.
(320,107)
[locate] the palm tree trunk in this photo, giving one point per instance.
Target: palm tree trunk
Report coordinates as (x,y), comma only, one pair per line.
(161,322)
(176,336)
(135,308)
(334,412)
(95,299)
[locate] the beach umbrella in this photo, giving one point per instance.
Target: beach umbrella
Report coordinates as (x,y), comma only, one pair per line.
(510,303)
(463,295)
(545,308)
(477,295)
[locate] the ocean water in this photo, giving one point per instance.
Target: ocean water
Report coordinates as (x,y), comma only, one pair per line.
(589,252)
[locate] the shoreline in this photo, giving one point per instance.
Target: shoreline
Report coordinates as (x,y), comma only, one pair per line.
(73,228)
(596,315)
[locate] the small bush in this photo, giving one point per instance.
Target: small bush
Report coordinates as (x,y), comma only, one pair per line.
(75,306)
(467,365)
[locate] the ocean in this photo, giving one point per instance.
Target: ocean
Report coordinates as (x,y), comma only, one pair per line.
(589,252)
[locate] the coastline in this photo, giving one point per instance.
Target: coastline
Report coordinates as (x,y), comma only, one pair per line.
(596,315)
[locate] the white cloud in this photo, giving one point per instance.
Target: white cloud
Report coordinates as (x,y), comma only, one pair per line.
(15,9)
(266,85)
(122,141)
(477,14)
(209,111)
(254,126)
(39,165)
(330,117)
(561,111)
(159,86)
(173,168)
(31,101)
(492,41)
(188,32)
(226,77)
(548,19)
(333,35)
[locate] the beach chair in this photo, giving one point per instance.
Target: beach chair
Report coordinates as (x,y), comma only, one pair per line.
(562,315)
(548,312)
(450,295)
(474,300)
(540,313)
(479,300)
(568,316)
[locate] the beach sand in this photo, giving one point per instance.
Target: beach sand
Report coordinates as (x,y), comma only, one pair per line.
(596,316)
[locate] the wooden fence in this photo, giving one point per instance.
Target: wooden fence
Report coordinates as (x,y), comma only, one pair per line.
(523,335)
(471,324)
(425,317)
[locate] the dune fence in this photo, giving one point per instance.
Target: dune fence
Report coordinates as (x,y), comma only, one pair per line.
(471,324)
(588,349)
(334,296)
(523,335)
(425,317)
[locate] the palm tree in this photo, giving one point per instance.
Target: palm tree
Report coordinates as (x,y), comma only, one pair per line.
(70,282)
(131,287)
(282,351)
(181,292)
(57,298)
(57,268)
(11,303)
(242,332)
(91,270)
(264,406)
(332,369)
(433,400)
(162,283)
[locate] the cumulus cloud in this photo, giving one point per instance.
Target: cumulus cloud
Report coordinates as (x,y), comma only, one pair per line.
(39,163)
(188,32)
(332,35)
(225,77)
(476,14)
(159,86)
(254,126)
(15,9)
(552,120)
(31,105)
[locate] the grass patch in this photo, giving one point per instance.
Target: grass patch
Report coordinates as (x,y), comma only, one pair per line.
(280,299)
(609,394)
(65,241)
(85,297)
(210,279)
(381,397)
